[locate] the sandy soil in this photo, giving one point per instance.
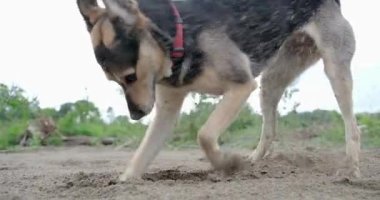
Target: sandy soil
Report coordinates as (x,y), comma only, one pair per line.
(91,173)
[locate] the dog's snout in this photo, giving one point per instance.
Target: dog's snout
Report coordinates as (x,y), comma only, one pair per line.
(135,111)
(137,114)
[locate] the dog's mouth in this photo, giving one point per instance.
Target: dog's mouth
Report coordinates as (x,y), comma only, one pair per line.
(137,114)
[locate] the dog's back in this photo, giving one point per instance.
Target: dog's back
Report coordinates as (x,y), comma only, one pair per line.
(258,27)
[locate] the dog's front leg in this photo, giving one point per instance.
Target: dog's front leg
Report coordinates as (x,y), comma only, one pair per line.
(220,119)
(168,104)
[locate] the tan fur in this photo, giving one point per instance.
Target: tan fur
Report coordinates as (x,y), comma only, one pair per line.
(96,35)
(142,92)
(142,21)
(108,33)
(219,121)
(95,14)
(168,105)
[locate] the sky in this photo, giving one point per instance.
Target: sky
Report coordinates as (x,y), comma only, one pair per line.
(46,50)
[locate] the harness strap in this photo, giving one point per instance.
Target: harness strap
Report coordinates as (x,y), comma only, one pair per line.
(178,50)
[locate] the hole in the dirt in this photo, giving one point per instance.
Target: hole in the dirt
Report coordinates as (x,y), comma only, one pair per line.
(367,184)
(176,175)
(82,179)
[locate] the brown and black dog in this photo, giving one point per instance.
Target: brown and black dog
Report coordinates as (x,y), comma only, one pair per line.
(226,45)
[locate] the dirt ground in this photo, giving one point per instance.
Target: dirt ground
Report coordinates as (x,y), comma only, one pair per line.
(91,173)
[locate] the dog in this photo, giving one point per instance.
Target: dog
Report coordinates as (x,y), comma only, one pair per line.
(158,51)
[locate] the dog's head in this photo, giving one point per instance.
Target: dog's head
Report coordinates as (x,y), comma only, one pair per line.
(125,48)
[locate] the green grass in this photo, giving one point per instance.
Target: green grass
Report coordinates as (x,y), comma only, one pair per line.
(82,118)
(11,132)
(371,129)
(325,127)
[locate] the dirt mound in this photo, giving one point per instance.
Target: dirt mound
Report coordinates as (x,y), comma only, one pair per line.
(175,174)
(96,180)
(279,165)
(92,173)
(300,162)
(366,184)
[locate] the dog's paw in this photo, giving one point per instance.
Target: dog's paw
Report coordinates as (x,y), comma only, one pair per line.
(231,163)
(129,177)
(254,157)
(123,178)
(347,173)
(259,154)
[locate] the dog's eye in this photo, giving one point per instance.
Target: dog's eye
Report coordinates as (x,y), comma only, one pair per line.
(117,21)
(129,79)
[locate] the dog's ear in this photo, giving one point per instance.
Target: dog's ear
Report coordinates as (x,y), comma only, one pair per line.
(90,11)
(127,10)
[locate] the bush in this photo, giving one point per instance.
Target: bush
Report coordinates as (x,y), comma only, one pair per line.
(54,140)
(245,129)
(121,129)
(83,118)
(370,129)
(189,124)
(80,118)
(10,133)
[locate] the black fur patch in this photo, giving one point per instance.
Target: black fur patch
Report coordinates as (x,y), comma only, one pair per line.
(196,58)
(124,53)
(86,5)
(260,27)
(88,23)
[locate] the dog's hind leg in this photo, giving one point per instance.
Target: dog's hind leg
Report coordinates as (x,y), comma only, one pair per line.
(339,73)
(335,39)
(223,115)
(168,105)
(294,57)
(274,81)
(340,78)
(273,84)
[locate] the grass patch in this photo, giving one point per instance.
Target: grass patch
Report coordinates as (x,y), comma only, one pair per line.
(11,132)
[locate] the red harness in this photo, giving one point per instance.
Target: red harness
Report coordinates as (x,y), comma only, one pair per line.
(178,48)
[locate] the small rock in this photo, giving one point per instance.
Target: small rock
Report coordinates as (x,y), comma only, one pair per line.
(108,141)
(77,140)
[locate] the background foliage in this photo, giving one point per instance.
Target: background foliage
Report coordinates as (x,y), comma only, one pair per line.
(82,118)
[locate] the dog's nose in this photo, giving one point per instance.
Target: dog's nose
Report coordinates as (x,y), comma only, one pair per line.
(134,109)
(137,114)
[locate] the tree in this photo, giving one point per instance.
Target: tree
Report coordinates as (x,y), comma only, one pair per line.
(86,111)
(81,111)
(14,105)
(81,117)
(15,112)
(48,112)
(65,108)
